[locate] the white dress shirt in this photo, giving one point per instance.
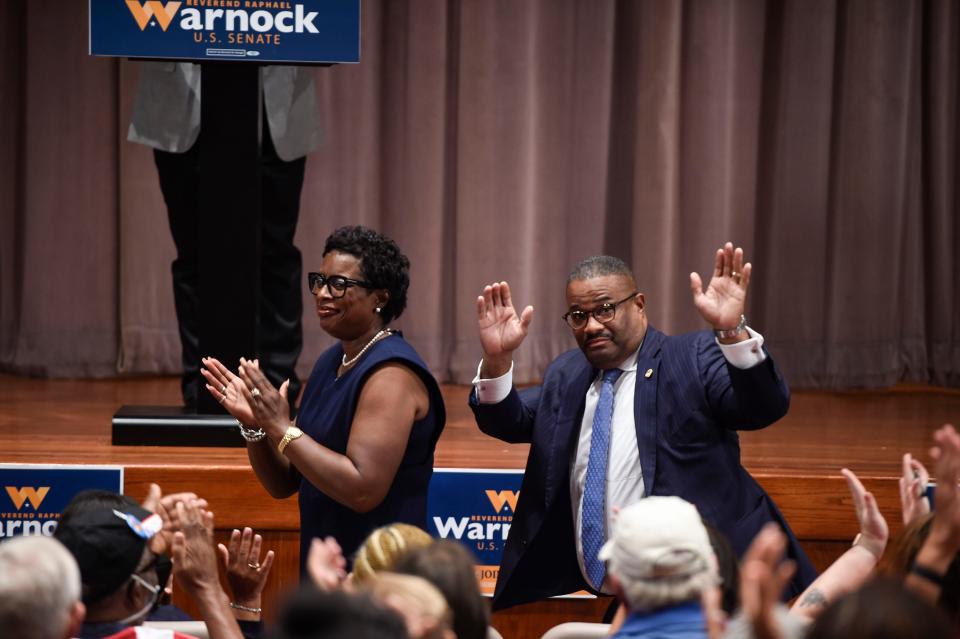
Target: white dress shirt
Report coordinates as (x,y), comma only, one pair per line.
(624,475)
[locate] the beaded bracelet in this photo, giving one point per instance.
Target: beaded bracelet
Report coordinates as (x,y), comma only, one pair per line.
(237,606)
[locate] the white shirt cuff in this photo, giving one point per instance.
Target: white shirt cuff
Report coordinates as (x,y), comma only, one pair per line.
(745,354)
(493,391)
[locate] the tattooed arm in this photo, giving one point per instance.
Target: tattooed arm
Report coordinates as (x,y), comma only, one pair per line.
(856,565)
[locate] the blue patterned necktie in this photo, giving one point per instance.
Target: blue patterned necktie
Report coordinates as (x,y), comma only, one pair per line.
(593,518)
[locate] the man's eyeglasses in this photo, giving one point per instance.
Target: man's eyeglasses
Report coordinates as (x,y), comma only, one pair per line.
(337,285)
(577,319)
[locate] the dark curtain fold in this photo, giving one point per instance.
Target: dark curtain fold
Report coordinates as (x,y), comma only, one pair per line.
(505,140)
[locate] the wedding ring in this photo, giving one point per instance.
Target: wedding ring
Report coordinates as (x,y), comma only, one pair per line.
(255,392)
(254,566)
(734,274)
(223,389)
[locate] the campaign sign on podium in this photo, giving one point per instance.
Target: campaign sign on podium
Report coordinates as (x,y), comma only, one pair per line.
(265,31)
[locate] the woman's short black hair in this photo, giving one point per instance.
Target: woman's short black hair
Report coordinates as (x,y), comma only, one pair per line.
(382,263)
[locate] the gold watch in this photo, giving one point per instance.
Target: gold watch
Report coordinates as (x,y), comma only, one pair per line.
(292,433)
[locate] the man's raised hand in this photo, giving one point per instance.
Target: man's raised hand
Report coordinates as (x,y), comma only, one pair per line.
(501,329)
(722,303)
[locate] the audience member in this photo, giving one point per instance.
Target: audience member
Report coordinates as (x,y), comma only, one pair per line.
(379,552)
(719,604)
(728,567)
(156,502)
(315,614)
(384,547)
(122,577)
(929,574)
(39,590)
(451,568)
(660,563)
(881,610)
(422,606)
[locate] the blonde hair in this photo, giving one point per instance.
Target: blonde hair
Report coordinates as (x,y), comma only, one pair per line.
(419,602)
(384,548)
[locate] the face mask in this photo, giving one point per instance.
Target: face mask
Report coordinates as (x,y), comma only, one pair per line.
(151,603)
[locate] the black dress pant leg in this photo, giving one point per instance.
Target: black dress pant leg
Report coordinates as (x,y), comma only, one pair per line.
(281,302)
(180,184)
(281,268)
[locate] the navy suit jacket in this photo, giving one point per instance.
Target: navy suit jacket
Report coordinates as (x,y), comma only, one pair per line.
(688,405)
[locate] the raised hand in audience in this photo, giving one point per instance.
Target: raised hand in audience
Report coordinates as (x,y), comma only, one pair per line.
(246,574)
(763,576)
(855,566)
(943,542)
(326,564)
(874,532)
(195,569)
(166,507)
(913,489)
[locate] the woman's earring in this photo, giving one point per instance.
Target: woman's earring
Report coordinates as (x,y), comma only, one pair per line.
(376,310)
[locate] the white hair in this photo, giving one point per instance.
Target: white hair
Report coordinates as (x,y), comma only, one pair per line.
(40,585)
(678,584)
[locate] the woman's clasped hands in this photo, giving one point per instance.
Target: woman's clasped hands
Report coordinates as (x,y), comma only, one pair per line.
(249,396)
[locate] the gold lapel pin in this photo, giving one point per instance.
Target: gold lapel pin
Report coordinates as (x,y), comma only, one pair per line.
(649,373)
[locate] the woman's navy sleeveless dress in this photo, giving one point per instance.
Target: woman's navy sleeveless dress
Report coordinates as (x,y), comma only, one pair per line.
(326,413)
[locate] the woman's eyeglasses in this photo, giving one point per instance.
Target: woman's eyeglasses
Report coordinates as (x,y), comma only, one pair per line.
(337,285)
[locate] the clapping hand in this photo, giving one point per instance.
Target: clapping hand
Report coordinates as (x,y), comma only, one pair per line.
(271,410)
(194,559)
(945,530)
(166,507)
(325,564)
(722,304)
(914,502)
(501,329)
(227,389)
(246,574)
(764,574)
(873,527)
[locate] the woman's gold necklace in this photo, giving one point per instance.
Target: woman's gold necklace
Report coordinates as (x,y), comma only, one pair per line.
(347,363)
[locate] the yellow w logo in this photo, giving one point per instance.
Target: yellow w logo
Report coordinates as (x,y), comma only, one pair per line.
(35,495)
(143,11)
(498,499)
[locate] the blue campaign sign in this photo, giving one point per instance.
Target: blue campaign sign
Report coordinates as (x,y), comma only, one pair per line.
(33,496)
(475,507)
(302,31)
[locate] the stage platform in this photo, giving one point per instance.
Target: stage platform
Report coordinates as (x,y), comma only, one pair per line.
(798,461)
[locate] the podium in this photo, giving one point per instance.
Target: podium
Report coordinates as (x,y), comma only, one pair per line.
(231,45)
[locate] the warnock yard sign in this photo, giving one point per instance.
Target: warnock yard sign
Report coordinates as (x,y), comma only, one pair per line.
(286,31)
(33,496)
(475,507)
